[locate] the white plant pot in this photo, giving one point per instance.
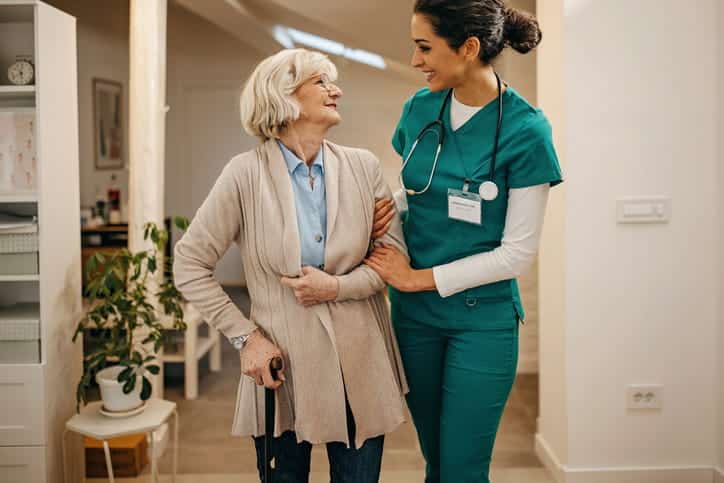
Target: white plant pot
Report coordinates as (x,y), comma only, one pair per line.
(112,391)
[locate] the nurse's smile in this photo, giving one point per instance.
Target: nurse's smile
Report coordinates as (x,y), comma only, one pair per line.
(441,65)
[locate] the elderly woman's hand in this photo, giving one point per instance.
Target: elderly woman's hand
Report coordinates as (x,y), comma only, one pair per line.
(313,287)
(255,357)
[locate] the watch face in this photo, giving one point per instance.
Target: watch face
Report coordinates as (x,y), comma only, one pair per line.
(237,342)
(21,73)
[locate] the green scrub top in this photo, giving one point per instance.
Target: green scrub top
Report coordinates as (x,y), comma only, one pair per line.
(526,157)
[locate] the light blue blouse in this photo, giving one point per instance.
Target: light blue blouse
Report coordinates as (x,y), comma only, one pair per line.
(310,205)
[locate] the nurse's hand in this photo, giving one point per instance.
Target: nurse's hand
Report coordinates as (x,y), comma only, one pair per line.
(384,211)
(313,287)
(394,269)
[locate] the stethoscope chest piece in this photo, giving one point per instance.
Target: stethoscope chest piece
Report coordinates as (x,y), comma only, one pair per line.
(488,191)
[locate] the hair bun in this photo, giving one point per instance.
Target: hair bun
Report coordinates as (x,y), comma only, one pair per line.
(521,30)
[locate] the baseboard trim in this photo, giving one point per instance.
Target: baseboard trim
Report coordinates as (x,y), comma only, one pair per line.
(662,474)
(718,475)
(694,474)
(548,458)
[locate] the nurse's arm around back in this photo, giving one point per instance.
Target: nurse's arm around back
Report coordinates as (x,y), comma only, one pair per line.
(514,256)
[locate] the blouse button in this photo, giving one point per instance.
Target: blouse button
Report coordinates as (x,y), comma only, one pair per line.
(471,302)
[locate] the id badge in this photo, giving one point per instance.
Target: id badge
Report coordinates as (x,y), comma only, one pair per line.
(464,206)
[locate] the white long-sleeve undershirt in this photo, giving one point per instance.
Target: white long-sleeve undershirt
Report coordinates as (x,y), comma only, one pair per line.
(516,253)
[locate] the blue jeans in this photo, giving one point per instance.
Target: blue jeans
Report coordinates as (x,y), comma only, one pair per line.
(346,465)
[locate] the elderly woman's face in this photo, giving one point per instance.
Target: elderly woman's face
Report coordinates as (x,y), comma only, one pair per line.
(318,99)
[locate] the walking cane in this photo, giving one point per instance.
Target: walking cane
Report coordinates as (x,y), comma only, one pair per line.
(269,407)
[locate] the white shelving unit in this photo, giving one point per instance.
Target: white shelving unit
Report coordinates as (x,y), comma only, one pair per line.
(19,278)
(36,399)
(16,92)
(18,196)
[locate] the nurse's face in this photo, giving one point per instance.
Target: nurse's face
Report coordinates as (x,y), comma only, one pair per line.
(318,98)
(443,67)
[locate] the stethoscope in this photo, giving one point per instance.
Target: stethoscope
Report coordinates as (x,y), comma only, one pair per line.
(488,189)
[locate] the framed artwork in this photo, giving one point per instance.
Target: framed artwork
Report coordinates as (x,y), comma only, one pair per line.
(108,124)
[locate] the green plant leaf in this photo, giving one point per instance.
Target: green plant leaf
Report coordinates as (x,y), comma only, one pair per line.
(146,389)
(181,222)
(125,374)
(152,264)
(91,265)
(155,370)
(130,384)
(154,234)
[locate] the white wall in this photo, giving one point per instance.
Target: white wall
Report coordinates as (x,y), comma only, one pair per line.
(640,301)
(520,71)
(203,130)
(552,435)
(720,376)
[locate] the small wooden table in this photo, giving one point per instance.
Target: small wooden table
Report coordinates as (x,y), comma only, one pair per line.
(89,422)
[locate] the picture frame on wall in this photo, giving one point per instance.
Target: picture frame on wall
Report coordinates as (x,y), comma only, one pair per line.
(108,133)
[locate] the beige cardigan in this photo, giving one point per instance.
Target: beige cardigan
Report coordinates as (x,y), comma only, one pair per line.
(346,344)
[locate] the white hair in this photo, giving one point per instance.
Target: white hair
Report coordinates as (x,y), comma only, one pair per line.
(267,101)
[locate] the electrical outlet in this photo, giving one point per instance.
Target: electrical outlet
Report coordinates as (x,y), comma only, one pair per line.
(644,396)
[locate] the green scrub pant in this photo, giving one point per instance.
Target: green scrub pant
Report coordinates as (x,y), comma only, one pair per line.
(459,383)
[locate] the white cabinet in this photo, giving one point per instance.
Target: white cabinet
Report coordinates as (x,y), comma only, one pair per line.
(21,405)
(36,399)
(22,465)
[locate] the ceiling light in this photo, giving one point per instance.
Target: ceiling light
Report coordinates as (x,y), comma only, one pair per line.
(288,36)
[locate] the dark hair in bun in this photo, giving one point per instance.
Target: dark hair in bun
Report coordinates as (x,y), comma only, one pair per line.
(495,25)
(521,30)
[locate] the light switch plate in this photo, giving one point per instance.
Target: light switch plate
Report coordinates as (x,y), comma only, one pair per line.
(649,209)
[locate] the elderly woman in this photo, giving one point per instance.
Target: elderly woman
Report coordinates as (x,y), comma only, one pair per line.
(300,209)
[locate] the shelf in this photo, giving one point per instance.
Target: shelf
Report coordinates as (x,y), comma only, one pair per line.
(20,311)
(204,346)
(19,278)
(16,92)
(19,197)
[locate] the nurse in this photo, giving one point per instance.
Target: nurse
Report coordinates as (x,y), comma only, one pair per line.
(456,307)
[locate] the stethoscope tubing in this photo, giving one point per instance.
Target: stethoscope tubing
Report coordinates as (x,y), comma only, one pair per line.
(440,132)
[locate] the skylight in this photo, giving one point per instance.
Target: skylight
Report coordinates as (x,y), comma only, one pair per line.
(288,37)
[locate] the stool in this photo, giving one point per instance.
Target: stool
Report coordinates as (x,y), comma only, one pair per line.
(89,422)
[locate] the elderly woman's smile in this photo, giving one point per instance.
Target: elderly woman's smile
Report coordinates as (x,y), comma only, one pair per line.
(318,98)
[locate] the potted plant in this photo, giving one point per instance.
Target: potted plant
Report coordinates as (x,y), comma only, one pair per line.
(120,306)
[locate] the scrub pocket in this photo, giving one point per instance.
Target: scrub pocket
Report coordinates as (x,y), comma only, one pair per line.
(492,351)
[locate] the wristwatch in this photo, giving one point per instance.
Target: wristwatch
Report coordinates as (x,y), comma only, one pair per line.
(239,341)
